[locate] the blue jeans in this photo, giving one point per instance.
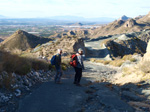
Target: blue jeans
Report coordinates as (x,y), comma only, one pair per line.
(58,73)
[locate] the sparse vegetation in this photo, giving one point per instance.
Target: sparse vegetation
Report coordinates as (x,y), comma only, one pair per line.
(20,65)
(116,62)
(133,60)
(127,70)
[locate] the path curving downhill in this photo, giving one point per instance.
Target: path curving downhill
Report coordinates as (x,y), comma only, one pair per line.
(67,97)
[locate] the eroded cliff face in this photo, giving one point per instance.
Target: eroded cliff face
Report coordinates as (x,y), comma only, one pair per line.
(126,46)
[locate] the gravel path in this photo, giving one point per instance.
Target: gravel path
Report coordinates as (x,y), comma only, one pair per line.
(65,97)
(96,94)
(99,72)
(51,97)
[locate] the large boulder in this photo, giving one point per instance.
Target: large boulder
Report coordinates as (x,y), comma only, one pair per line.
(124,45)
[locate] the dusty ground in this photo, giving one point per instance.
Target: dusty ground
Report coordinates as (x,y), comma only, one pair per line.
(97,94)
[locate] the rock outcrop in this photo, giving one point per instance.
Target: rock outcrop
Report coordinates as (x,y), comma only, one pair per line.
(124,17)
(125,45)
(130,23)
(145,19)
(13,86)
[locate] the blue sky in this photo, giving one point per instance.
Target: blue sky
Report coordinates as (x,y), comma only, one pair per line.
(84,8)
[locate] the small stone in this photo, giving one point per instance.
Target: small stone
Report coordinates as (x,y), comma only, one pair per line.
(18,92)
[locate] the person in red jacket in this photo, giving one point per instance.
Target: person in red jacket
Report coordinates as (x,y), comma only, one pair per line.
(79,67)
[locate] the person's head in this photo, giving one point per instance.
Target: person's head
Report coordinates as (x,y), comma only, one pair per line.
(80,51)
(59,51)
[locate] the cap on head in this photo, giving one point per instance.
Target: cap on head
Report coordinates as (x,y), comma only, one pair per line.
(80,49)
(59,50)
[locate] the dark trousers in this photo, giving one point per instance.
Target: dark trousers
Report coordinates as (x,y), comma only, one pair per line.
(78,75)
(58,74)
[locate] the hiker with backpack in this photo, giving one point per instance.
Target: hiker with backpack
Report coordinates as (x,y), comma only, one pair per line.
(56,60)
(78,65)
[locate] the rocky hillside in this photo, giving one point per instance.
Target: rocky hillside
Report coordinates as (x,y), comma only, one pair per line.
(129,43)
(121,47)
(113,46)
(84,33)
(23,41)
(136,72)
(122,25)
(69,45)
(145,19)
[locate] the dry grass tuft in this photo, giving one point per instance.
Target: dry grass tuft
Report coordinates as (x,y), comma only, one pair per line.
(117,62)
(127,57)
(20,65)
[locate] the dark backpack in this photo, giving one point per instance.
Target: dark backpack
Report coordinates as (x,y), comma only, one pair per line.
(73,61)
(53,60)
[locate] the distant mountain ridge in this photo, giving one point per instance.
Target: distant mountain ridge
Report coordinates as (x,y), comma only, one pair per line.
(123,26)
(145,19)
(78,18)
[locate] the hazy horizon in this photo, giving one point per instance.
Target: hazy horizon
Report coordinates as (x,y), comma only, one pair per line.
(80,8)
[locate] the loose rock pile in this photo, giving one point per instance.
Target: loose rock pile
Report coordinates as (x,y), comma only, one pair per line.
(14,86)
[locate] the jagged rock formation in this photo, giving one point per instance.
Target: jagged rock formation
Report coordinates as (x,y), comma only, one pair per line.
(130,23)
(124,17)
(23,41)
(117,23)
(71,33)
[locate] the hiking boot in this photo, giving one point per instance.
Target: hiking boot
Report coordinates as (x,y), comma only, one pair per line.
(78,85)
(58,82)
(74,82)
